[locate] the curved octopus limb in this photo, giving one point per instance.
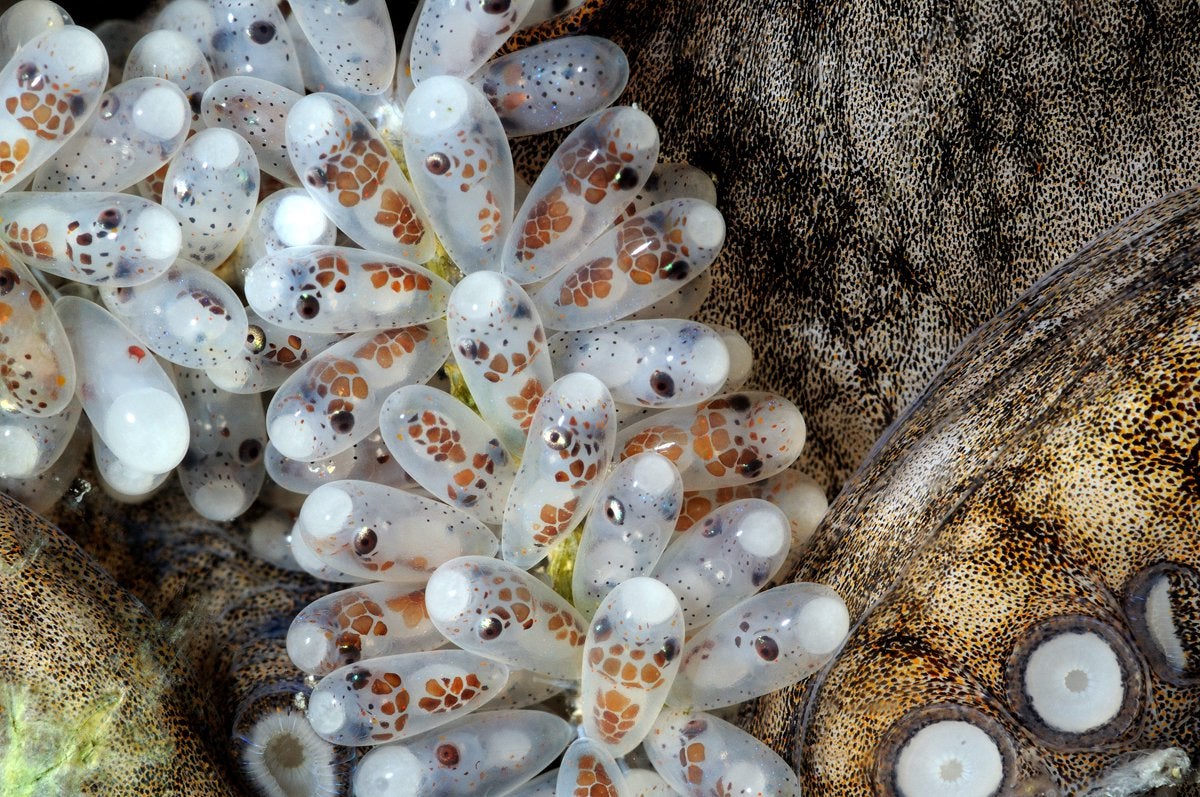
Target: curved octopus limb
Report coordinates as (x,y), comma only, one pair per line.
(1042,486)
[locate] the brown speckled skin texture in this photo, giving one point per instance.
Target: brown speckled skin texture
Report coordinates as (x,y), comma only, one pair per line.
(74,640)
(894,175)
(1049,463)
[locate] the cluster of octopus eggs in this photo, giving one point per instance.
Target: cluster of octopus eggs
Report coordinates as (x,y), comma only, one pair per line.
(444,378)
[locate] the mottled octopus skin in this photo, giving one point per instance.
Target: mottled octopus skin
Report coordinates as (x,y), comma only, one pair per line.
(892,176)
(77,648)
(1052,460)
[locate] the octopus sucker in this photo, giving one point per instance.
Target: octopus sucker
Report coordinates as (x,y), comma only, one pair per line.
(991,544)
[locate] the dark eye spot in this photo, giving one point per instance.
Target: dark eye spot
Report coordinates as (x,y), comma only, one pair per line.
(249,451)
(557,439)
(437,163)
(694,728)
(261,31)
(496,6)
(614,510)
(109,106)
(766,648)
(256,339)
(316,177)
(669,650)
(468,348)
(365,541)
(77,104)
(739,402)
(676,269)
(359,132)
(662,384)
(194,100)
(626,178)
(490,628)
(349,648)
(30,77)
(712,527)
(124,295)
(110,219)
(358,679)
(8,280)
(221,40)
(342,421)
(601,629)
(760,574)
(447,755)
(307,307)
(751,469)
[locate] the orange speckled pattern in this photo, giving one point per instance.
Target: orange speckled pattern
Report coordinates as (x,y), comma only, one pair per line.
(446,694)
